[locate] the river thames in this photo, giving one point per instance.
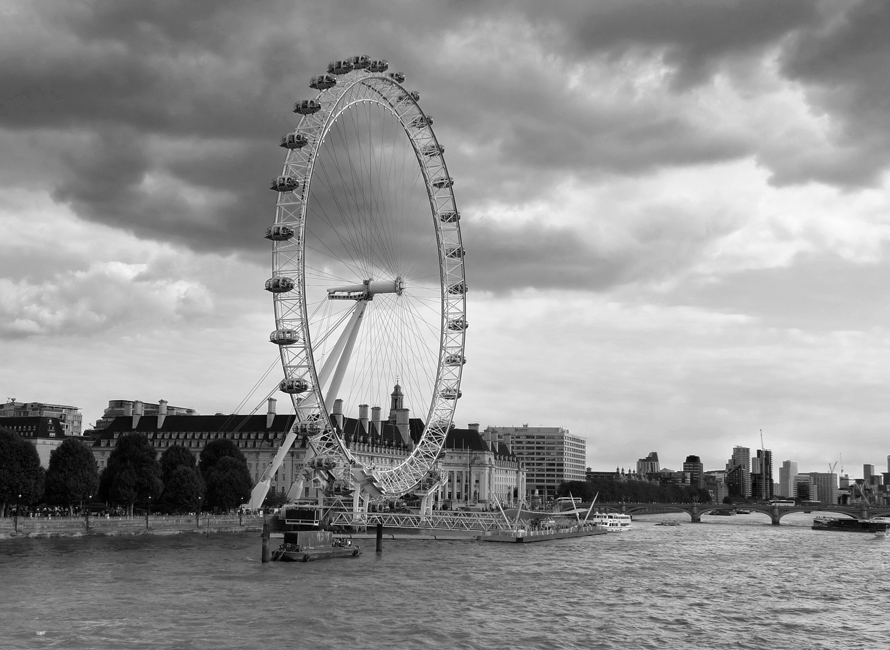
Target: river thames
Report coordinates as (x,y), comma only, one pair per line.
(730,582)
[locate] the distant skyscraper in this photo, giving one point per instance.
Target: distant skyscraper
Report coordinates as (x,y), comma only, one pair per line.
(762,475)
(826,487)
(805,488)
(649,464)
(787,472)
(867,472)
(694,467)
(741,458)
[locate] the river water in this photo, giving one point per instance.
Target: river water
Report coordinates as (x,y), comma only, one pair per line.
(730,582)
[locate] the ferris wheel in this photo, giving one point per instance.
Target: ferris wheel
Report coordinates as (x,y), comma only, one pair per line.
(368,271)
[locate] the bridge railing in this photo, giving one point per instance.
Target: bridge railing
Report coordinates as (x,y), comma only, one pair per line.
(469,521)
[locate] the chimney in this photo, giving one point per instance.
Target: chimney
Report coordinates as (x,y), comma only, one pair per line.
(508,441)
(363,417)
(338,413)
(489,437)
(162,412)
(375,420)
(473,426)
(137,413)
(270,412)
(128,409)
(404,428)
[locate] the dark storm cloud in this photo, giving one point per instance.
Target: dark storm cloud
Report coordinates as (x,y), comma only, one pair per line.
(843,65)
(694,37)
(162,118)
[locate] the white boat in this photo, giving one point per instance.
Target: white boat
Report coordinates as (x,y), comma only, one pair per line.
(613,522)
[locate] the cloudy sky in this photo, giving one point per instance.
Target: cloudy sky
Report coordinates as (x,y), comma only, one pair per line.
(676,213)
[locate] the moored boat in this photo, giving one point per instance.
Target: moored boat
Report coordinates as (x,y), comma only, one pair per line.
(307,546)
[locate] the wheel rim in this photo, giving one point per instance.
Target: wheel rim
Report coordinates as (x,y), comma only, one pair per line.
(370,204)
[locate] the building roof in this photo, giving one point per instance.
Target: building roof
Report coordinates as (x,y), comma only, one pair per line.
(388,435)
(35,427)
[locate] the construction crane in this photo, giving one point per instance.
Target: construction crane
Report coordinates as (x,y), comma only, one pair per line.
(831,467)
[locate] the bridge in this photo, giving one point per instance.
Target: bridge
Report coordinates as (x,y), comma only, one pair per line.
(775,512)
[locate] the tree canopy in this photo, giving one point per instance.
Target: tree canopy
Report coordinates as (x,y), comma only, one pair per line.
(73,475)
(225,474)
(215,450)
(174,457)
(183,490)
(133,472)
(183,484)
(20,471)
(610,490)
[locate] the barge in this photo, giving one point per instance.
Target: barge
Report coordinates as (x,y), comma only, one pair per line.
(307,546)
(876,525)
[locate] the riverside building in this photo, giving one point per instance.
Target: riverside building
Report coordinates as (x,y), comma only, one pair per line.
(69,417)
(476,466)
(126,408)
(45,433)
(551,455)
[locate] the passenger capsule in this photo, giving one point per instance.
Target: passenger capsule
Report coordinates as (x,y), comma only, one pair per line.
(293,386)
(360,62)
(279,285)
(307,428)
(455,360)
(458,288)
(319,462)
(307,107)
(284,184)
(412,95)
(421,121)
(442,183)
(398,77)
(450,393)
(280,232)
(323,82)
(449,217)
(430,150)
(378,66)
(294,141)
(284,337)
(455,252)
(457,324)
(340,67)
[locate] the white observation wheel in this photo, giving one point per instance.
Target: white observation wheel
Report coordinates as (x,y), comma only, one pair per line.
(368,274)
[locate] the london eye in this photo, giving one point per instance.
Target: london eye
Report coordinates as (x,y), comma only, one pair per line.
(367,279)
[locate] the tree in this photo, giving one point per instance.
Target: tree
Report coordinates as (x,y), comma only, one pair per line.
(20,471)
(173,457)
(215,450)
(225,474)
(133,472)
(184,489)
(73,475)
(183,485)
(228,483)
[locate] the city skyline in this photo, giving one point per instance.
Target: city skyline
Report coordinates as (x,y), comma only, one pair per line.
(676,216)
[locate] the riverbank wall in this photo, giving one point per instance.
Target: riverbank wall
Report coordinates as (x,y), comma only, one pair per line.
(115,526)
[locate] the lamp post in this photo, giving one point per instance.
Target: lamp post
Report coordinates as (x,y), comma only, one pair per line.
(198,513)
(89,506)
(15,517)
(148,512)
